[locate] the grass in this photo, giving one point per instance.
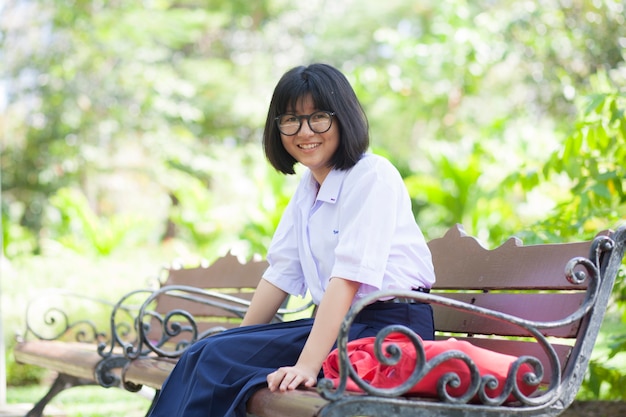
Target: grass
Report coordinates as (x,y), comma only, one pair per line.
(85,401)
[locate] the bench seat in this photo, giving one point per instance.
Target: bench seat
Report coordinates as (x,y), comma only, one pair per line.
(152,372)
(72,358)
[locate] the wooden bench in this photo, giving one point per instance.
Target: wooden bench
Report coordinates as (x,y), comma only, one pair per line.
(58,337)
(543,303)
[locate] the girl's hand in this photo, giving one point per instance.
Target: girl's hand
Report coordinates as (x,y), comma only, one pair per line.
(289,378)
(333,307)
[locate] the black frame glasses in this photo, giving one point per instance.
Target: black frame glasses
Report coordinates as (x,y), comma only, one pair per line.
(287,122)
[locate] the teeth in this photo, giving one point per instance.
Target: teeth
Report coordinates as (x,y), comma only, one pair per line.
(309,146)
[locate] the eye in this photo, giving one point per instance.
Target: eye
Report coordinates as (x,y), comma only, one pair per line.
(288,119)
(319,116)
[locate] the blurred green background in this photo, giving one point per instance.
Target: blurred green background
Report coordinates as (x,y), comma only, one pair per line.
(131,131)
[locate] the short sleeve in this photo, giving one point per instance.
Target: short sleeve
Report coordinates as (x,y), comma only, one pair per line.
(370,202)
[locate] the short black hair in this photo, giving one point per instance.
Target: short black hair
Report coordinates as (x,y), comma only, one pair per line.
(330,90)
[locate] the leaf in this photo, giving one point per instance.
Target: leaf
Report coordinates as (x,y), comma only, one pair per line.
(595,103)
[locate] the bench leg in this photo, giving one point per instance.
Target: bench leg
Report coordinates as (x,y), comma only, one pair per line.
(61,383)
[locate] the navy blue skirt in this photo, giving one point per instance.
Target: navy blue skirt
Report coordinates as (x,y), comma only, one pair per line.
(217,375)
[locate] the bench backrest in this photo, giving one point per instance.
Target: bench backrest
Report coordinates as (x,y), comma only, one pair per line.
(227,276)
(524,281)
(215,297)
(193,303)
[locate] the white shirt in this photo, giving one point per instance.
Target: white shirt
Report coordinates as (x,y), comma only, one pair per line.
(359,227)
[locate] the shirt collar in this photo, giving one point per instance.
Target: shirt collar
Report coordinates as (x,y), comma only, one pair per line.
(329,192)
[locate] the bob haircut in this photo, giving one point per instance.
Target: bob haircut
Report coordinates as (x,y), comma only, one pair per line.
(329,90)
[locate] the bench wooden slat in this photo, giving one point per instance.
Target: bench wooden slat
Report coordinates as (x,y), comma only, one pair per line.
(148,371)
(168,303)
(152,372)
(226,275)
(225,272)
(298,403)
(469,266)
(71,358)
(530,306)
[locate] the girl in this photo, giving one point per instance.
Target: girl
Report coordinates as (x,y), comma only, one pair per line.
(347,231)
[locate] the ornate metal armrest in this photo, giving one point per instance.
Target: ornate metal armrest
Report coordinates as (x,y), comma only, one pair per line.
(169,333)
(577,271)
(58,314)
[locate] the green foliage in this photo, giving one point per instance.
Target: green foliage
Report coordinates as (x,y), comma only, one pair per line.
(592,158)
(192,215)
(588,168)
(158,84)
(592,162)
(76,226)
(20,374)
(274,192)
(454,90)
(603,382)
(16,239)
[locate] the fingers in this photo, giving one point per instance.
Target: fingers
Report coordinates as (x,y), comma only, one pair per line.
(283,380)
(287,379)
(275,379)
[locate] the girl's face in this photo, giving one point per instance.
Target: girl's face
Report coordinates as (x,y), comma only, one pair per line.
(313,150)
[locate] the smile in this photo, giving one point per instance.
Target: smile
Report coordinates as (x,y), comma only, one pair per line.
(308,146)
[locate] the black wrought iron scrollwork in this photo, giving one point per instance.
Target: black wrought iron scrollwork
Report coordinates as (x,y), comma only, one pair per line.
(510,386)
(104,371)
(172,325)
(122,324)
(48,318)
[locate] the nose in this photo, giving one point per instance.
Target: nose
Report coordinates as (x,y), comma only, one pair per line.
(305,129)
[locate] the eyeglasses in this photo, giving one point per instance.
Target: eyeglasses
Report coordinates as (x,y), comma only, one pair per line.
(289,124)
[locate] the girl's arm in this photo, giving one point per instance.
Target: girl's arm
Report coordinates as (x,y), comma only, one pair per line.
(332,309)
(265,302)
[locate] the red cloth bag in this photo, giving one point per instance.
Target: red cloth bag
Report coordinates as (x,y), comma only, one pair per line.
(363,360)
